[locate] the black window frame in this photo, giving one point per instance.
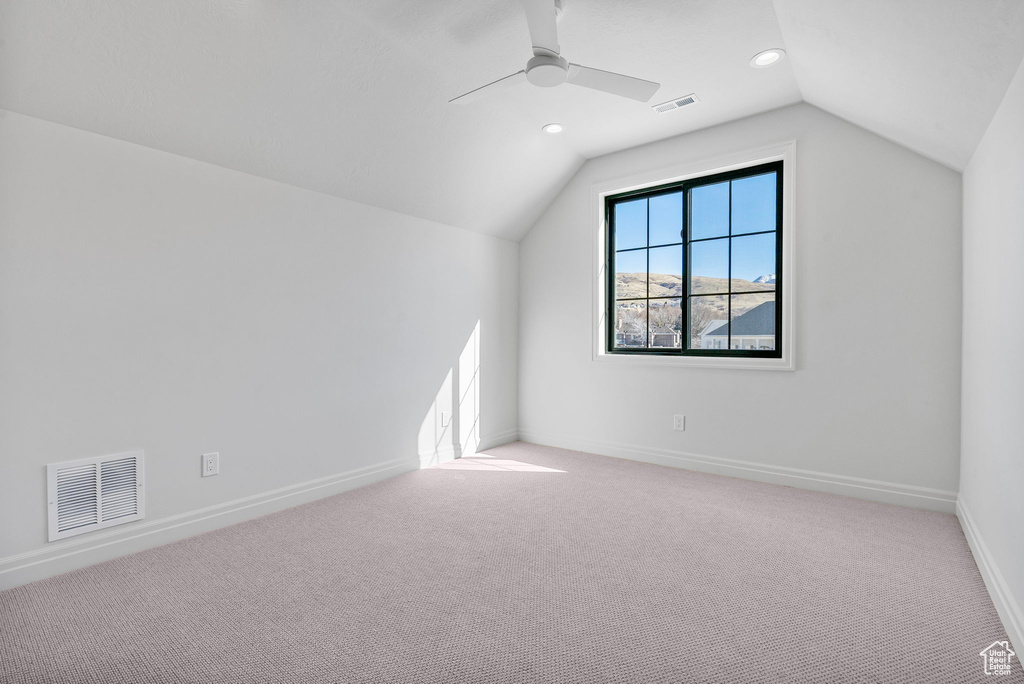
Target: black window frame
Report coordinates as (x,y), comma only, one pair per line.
(685,186)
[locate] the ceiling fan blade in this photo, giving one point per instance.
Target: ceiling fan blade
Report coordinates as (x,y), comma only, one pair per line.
(483,91)
(540,16)
(609,82)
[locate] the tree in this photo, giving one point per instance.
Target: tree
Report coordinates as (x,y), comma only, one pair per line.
(666,315)
(700,315)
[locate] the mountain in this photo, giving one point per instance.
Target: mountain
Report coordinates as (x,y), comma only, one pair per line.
(634,285)
(768,279)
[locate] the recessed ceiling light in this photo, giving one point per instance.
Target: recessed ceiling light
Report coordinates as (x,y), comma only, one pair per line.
(767,58)
(552,128)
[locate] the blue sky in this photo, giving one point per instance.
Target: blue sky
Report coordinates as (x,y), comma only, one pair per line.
(753,209)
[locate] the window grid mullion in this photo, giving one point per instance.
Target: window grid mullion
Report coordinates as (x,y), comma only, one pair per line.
(720,294)
(728,283)
(720,237)
(684,234)
(612,280)
(670,244)
(647,303)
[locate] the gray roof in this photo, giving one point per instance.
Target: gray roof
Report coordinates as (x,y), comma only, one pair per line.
(758,321)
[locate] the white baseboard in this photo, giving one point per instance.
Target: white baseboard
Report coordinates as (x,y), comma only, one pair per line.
(856,487)
(497,440)
(94,548)
(1006,605)
(443,453)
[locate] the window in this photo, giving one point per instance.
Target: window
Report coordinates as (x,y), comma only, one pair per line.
(694,268)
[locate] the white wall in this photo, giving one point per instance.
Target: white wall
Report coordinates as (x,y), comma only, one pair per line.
(148,301)
(876,392)
(992,458)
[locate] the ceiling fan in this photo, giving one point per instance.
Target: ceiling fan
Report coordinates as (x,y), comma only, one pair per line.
(548,68)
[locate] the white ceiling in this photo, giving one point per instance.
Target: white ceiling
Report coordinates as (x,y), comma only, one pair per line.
(928,74)
(350,98)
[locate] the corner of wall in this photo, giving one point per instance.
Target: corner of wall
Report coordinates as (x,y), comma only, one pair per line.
(1005,602)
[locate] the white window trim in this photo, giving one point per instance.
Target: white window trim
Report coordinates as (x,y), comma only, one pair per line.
(785,152)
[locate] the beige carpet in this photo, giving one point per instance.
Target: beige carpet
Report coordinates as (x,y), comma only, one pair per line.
(530,565)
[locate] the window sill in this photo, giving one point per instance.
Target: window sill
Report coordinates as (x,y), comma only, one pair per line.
(733,363)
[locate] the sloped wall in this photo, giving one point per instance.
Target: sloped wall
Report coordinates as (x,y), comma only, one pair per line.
(152,302)
(872,408)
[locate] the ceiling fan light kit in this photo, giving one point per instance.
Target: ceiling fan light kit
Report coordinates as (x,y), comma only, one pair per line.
(548,68)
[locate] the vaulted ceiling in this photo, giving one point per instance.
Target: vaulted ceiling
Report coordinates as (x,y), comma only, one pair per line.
(351,98)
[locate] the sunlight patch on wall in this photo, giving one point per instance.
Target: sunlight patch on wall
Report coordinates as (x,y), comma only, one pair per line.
(451,426)
(436,441)
(469,394)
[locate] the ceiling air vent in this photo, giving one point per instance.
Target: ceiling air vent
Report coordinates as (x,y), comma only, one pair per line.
(676,103)
(94,493)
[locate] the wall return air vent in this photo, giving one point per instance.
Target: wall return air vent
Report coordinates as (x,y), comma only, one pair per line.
(94,493)
(676,103)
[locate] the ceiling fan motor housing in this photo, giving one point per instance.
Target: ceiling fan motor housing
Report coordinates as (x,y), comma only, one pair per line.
(547,70)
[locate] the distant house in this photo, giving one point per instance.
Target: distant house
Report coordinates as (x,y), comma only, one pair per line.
(629,333)
(713,325)
(659,336)
(664,336)
(754,329)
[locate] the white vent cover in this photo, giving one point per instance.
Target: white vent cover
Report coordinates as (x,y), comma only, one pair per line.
(94,493)
(676,103)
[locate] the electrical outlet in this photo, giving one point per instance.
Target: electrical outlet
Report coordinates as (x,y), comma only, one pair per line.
(679,423)
(211,464)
